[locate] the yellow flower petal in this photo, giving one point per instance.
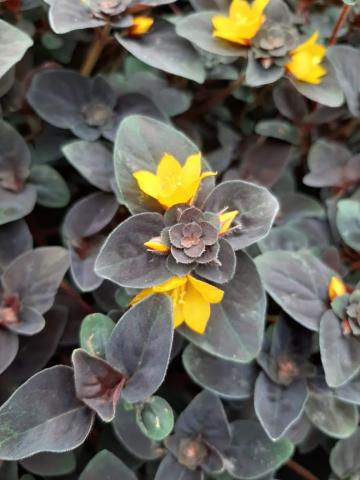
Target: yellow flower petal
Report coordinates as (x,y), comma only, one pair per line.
(239,8)
(147,182)
(178,314)
(226,220)
(226,29)
(168,169)
(173,183)
(141,25)
(259,6)
(191,169)
(196,310)
(156,245)
(143,294)
(336,288)
(170,284)
(306,59)
(191,299)
(243,22)
(208,292)
(308,43)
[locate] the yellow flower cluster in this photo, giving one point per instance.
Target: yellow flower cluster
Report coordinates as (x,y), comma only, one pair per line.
(173,184)
(243,23)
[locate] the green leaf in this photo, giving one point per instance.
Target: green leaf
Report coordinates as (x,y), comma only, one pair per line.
(252,453)
(130,435)
(52,190)
(348,222)
(333,417)
(344,457)
(50,464)
(105,465)
(155,418)
(95,332)
(161,48)
(14,43)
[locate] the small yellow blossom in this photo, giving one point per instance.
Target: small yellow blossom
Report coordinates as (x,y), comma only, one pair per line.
(156,245)
(226,220)
(173,183)
(305,64)
(140,25)
(243,22)
(336,288)
(191,299)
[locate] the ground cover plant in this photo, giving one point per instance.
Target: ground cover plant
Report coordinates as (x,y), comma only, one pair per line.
(179,239)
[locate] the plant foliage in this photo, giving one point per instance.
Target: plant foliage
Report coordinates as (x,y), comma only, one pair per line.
(179,239)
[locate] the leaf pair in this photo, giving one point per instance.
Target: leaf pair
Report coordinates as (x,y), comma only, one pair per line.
(205,443)
(54,410)
(28,287)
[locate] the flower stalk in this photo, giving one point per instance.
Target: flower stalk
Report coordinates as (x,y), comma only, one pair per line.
(100,40)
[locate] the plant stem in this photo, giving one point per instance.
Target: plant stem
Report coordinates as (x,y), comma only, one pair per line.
(342,17)
(300,470)
(215,99)
(76,297)
(100,40)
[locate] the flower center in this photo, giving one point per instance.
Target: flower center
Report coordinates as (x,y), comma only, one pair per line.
(192,453)
(9,310)
(11,182)
(287,370)
(178,295)
(96,114)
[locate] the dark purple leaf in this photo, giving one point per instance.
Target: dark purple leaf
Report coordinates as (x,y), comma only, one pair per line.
(9,344)
(43,415)
(97,383)
(125,260)
(257,207)
(140,346)
(36,275)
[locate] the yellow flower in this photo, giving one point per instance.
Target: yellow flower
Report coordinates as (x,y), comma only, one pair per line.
(191,299)
(226,220)
(156,245)
(140,25)
(336,288)
(172,183)
(306,59)
(243,22)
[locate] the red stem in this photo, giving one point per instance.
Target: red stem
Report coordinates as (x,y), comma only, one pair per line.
(300,470)
(76,297)
(342,17)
